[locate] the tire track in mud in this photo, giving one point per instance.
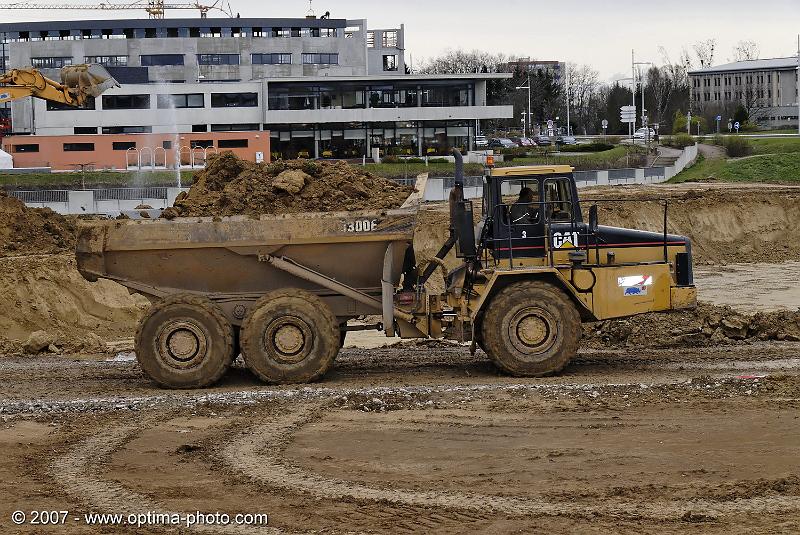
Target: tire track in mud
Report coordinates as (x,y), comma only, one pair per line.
(78,473)
(258,454)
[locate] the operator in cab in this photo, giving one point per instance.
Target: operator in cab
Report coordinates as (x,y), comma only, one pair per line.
(525,211)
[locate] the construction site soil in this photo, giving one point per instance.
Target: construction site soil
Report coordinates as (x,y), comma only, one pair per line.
(26,230)
(231,186)
(663,423)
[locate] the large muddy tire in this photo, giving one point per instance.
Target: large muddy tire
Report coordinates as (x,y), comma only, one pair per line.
(290,336)
(531,329)
(184,341)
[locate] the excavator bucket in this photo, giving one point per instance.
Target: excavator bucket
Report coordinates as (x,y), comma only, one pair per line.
(91,80)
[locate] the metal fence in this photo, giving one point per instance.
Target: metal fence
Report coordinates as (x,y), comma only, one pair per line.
(42,196)
(129,194)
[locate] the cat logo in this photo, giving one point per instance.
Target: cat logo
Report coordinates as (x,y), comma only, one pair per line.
(565,240)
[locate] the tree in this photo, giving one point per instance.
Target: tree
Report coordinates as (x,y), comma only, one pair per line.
(463,62)
(745,51)
(583,86)
(740,115)
(705,52)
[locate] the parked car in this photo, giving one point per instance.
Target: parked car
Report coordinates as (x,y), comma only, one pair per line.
(645,134)
(542,140)
(481,142)
(502,143)
(566,140)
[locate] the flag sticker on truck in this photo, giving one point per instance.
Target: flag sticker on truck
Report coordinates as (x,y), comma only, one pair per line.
(4,96)
(634,285)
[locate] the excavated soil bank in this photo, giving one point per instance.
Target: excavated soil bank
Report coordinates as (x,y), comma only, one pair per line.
(26,230)
(47,293)
(231,186)
(707,325)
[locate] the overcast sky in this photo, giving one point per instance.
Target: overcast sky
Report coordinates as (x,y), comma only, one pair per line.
(597,33)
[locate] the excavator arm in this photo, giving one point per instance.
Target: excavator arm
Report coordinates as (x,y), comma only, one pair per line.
(78,84)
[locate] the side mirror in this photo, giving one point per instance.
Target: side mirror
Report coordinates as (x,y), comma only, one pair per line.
(593,225)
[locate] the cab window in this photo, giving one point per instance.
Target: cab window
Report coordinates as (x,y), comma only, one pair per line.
(558,199)
(521,202)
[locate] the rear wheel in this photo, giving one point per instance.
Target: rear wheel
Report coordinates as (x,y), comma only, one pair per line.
(184,341)
(290,336)
(531,328)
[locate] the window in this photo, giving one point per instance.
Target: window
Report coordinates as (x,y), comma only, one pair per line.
(390,39)
(351,31)
(126,102)
(280,32)
(108,61)
(234,100)
(123,145)
(189,100)
(199,128)
(166,145)
(390,63)
(201,143)
(245,127)
(320,59)
(295,32)
(272,59)
(370,39)
(127,129)
(30,147)
(218,59)
(157,60)
(327,32)
(51,62)
(232,144)
(78,147)
(84,130)
(89,104)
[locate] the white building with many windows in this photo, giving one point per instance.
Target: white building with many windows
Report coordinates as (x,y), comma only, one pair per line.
(323,87)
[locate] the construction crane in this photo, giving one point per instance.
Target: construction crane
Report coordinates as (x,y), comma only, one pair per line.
(155,8)
(78,84)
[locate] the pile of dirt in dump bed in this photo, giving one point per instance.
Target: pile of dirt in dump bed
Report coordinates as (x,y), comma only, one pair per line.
(231,186)
(26,230)
(706,325)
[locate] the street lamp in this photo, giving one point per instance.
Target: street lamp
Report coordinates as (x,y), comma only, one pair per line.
(528,121)
(634,63)
(633,91)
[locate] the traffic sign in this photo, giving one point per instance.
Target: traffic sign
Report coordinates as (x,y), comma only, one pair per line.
(736,125)
(550,124)
(604,123)
(627,114)
(719,117)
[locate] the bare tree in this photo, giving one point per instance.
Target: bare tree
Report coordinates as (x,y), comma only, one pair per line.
(463,61)
(705,52)
(745,51)
(583,85)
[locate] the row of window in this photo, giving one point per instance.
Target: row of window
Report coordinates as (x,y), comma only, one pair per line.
(188,100)
(160,60)
(389,39)
(732,80)
(128,145)
(208,32)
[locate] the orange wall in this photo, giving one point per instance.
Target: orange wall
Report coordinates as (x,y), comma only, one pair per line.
(51,149)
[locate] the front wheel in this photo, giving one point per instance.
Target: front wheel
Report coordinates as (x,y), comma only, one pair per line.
(531,328)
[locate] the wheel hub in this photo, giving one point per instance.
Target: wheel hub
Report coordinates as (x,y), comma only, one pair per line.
(182,344)
(289,339)
(532,330)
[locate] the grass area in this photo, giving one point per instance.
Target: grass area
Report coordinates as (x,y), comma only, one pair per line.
(93,179)
(411,170)
(606,159)
(777,145)
(779,168)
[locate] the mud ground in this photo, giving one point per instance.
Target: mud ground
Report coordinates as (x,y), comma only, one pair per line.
(414,437)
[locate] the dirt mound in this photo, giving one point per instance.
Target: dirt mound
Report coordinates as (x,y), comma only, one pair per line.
(726,225)
(706,325)
(46,293)
(231,186)
(26,230)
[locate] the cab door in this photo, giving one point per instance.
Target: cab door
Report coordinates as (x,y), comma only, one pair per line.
(519,229)
(562,214)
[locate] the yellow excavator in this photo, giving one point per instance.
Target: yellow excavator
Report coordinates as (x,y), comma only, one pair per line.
(79,83)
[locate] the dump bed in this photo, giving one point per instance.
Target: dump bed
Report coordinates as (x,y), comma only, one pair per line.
(225,258)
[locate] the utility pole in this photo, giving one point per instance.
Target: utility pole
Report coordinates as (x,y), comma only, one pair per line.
(527,129)
(566,71)
(632,126)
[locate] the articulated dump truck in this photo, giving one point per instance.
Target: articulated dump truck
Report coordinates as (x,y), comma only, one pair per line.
(280,290)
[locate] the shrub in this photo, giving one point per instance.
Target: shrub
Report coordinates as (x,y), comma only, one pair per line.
(736,147)
(718,140)
(438,160)
(390,159)
(590,147)
(681,141)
